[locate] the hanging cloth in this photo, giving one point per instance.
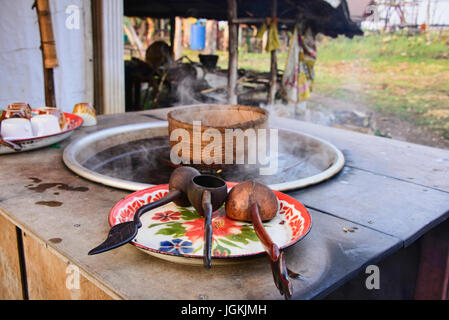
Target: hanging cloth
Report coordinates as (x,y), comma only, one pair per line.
(298,75)
(261,31)
(273,42)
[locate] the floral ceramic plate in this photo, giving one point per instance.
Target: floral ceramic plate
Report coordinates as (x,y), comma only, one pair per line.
(73,122)
(176,234)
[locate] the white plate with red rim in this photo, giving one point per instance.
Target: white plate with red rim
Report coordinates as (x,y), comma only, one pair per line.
(73,122)
(176,234)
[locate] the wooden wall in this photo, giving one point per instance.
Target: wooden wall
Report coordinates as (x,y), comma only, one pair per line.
(31,270)
(10,278)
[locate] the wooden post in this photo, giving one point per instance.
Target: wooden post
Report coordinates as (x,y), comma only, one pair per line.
(48,48)
(186,34)
(172,34)
(150,32)
(225,39)
(177,48)
(274,63)
(233,52)
(162,29)
(211,37)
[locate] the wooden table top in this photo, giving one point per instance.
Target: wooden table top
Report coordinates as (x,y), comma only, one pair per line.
(392,191)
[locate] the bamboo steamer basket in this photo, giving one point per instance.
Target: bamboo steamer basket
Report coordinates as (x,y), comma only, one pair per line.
(219,117)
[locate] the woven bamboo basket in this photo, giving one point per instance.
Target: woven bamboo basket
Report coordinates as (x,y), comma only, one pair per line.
(220,118)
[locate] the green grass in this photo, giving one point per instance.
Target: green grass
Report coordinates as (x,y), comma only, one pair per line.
(259,62)
(386,47)
(396,74)
(407,76)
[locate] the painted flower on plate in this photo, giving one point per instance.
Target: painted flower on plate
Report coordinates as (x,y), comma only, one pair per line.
(222,227)
(286,209)
(177,246)
(220,251)
(159,195)
(167,215)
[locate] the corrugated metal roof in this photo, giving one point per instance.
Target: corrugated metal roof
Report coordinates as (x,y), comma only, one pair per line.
(320,14)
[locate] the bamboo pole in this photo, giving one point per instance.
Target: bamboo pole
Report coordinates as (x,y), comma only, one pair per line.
(48,47)
(233,52)
(274,64)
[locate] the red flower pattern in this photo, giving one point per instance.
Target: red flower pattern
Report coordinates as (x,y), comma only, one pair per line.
(218,253)
(221,227)
(294,221)
(158,196)
(285,210)
(295,225)
(127,213)
(167,215)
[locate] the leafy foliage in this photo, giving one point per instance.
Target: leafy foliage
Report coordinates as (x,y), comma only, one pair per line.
(173,228)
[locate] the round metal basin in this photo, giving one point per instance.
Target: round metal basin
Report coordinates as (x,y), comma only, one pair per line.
(136,156)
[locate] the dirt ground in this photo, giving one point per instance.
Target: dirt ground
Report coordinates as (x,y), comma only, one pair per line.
(361,118)
(393,85)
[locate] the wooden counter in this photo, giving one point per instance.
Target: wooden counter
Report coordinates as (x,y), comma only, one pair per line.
(393,192)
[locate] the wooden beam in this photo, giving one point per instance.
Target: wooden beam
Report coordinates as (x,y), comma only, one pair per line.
(233,52)
(273,62)
(172,34)
(49,87)
(260,20)
(48,47)
(177,47)
(47,36)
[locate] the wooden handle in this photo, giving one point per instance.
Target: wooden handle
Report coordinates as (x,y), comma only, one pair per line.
(271,247)
(172,195)
(207,209)
(277,260)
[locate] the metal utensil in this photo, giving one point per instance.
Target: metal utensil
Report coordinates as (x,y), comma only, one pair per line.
(207,193)
(255,202)
(10,144)
(122,233)
(187,187)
